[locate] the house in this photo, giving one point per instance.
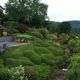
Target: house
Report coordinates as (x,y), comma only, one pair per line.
(1,8)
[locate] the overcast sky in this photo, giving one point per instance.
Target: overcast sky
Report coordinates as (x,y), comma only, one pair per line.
(61,10)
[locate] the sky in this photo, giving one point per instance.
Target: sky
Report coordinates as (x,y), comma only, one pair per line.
(60,10)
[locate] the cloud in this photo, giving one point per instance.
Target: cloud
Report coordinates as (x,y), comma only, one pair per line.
(61,10)
(2,2)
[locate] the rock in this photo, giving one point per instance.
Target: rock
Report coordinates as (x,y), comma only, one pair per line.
(64,70)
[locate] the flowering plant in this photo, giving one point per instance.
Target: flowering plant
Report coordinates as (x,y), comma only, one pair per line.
(18,73)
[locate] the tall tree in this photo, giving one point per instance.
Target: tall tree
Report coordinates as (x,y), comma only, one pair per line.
(52,26)
(22,10)
(2,16)
(65,27)
(39,13)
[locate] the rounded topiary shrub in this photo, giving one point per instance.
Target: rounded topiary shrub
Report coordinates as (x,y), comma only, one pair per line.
(17,62)
(41,43)
(60,61)
(33,56)
(42,50)
(44,32)
(60,55)
(31,73)
(57,51)
(38,35)
(48,59)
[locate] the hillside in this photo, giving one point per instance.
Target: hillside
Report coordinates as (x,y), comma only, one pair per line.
(75,26)
(75,23)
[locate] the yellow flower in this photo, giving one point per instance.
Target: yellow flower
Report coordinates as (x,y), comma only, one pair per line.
(5,33)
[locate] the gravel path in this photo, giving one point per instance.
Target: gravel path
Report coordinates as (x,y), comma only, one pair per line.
(58,75)
(10,44)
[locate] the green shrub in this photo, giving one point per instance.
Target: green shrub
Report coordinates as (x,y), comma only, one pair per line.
(44,32)
(60,55)
(18,73)
(41,43)
(13,52)
(23,36)
(77,49)
(49,59)
(11,25)
(37,72)
(45,43)
(9,52)
(52,28)
(37,35)
(43,71)
(60,60)
(15,73)
(22,28)
(17,62)
(31,73)
(26,47)
(4,74)
(72,42)
(50,37)
(16,51)
(73,72)
(36,42)
(57,51)
(1,62)
(42,50)
(30,30)
(33,56)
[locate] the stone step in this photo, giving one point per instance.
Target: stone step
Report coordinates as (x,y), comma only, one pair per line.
(6,39)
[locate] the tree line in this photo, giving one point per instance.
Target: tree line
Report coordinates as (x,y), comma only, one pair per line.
(32,13)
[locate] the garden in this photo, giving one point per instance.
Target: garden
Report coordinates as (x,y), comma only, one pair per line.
(40,57)
(33,48)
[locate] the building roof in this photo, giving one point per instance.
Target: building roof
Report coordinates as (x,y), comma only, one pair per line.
(1,8)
